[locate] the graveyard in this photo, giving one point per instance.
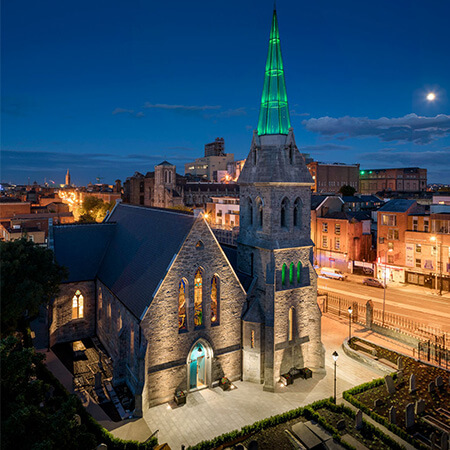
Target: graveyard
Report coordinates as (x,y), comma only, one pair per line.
(413,402)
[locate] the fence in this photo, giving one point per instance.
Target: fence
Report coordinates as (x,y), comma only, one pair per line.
(432,342)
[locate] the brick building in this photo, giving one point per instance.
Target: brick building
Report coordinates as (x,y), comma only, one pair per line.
(329,178)
(411,179)
(223,212)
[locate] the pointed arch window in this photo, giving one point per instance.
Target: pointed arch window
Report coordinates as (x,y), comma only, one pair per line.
(100,301)
(291,324)
(283,274)
(77,306)
(299,272)
(297,213)
(284,210)
(215,300)
(250,211)
(182,322)
(260,210)
(291,273)
(198,298)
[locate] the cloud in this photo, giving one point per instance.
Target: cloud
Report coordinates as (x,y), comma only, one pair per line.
(293,112)
(130,112)
(325,147)
(390,157)
(410,128)
(181,107)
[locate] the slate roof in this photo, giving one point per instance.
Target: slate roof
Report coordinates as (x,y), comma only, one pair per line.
(81,247)
(231,254)
(144,244)
(316,200)
(397,205)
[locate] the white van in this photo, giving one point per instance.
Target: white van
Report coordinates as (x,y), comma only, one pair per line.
(330,272)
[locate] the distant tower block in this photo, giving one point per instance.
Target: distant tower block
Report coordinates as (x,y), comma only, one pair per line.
(68,178)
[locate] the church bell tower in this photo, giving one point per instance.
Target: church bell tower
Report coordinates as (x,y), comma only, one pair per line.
(274,244)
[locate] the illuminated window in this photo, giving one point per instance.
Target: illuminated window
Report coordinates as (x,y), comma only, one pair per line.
(291,324)
(337,244)
(337,228)
(291,273)
(325,227)
(418,248)
(418,262)
(119,322)
(77,306)
(100,300)
(199,245)
(132,340)
(198,306)
(324,241)
(214,300)
(283,274)
(299,271)
(252,339)
(182,323)
(109,310)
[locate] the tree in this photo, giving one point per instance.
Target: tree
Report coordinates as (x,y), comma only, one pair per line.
(94,209)
(347,191)
(29,278)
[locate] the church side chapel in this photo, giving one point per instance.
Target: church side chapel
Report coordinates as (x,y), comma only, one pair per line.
(172,308)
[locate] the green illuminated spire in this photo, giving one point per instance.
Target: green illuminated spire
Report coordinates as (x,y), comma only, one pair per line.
(274,112)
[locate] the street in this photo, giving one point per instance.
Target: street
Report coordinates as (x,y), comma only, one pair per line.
(412,302)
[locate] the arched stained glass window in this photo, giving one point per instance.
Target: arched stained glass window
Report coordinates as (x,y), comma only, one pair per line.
(283,274)
(291,273)
(299,272)
(198,298)
(214,300)
(77,305)
(182,322)
(291,324)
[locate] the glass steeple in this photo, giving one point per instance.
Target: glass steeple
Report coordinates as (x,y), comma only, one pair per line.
(274,112)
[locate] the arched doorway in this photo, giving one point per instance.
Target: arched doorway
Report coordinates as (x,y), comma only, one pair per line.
(199,365)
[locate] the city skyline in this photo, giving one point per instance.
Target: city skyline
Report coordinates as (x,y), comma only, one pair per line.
(107,91)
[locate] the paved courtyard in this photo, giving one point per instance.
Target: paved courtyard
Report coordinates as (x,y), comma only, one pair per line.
(211,412)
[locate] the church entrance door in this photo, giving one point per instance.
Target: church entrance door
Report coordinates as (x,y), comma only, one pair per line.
(199,363)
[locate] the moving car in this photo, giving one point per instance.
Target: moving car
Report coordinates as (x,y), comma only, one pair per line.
(330,272)
(373,282)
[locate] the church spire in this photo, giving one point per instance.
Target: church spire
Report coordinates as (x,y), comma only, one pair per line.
(274,112)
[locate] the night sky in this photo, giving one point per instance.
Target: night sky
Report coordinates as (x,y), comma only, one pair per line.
(107,88)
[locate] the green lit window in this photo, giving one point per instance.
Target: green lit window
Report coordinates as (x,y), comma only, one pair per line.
(299,271)
(283,274)
(291,273)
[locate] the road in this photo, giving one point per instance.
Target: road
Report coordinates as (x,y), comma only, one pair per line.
(413,302)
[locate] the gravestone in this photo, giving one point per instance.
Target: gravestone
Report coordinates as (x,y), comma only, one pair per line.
(400,364)
(392,415)
(341,425)
(420,406)
(409,415)
(358,419)
(378,402)
(444,441)
(389,383)
(439,381)
(77,419)
(431,387)
(412,383)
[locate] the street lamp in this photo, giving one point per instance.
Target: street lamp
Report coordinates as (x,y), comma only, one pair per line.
(335,358)
(350,311)
(385,282)
(434,239)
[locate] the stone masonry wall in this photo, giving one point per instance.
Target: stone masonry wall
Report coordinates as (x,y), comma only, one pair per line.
(65,329)
(168,349)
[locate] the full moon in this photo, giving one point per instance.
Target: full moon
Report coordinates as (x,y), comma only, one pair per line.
(431,96)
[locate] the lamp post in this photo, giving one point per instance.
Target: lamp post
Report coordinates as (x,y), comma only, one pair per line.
(385,282)
(434,239)
(335,358)
(350,311)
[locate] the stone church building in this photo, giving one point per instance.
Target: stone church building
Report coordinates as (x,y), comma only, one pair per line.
(176,310)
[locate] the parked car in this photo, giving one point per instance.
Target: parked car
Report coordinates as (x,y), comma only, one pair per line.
(330,272)
(373,282)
